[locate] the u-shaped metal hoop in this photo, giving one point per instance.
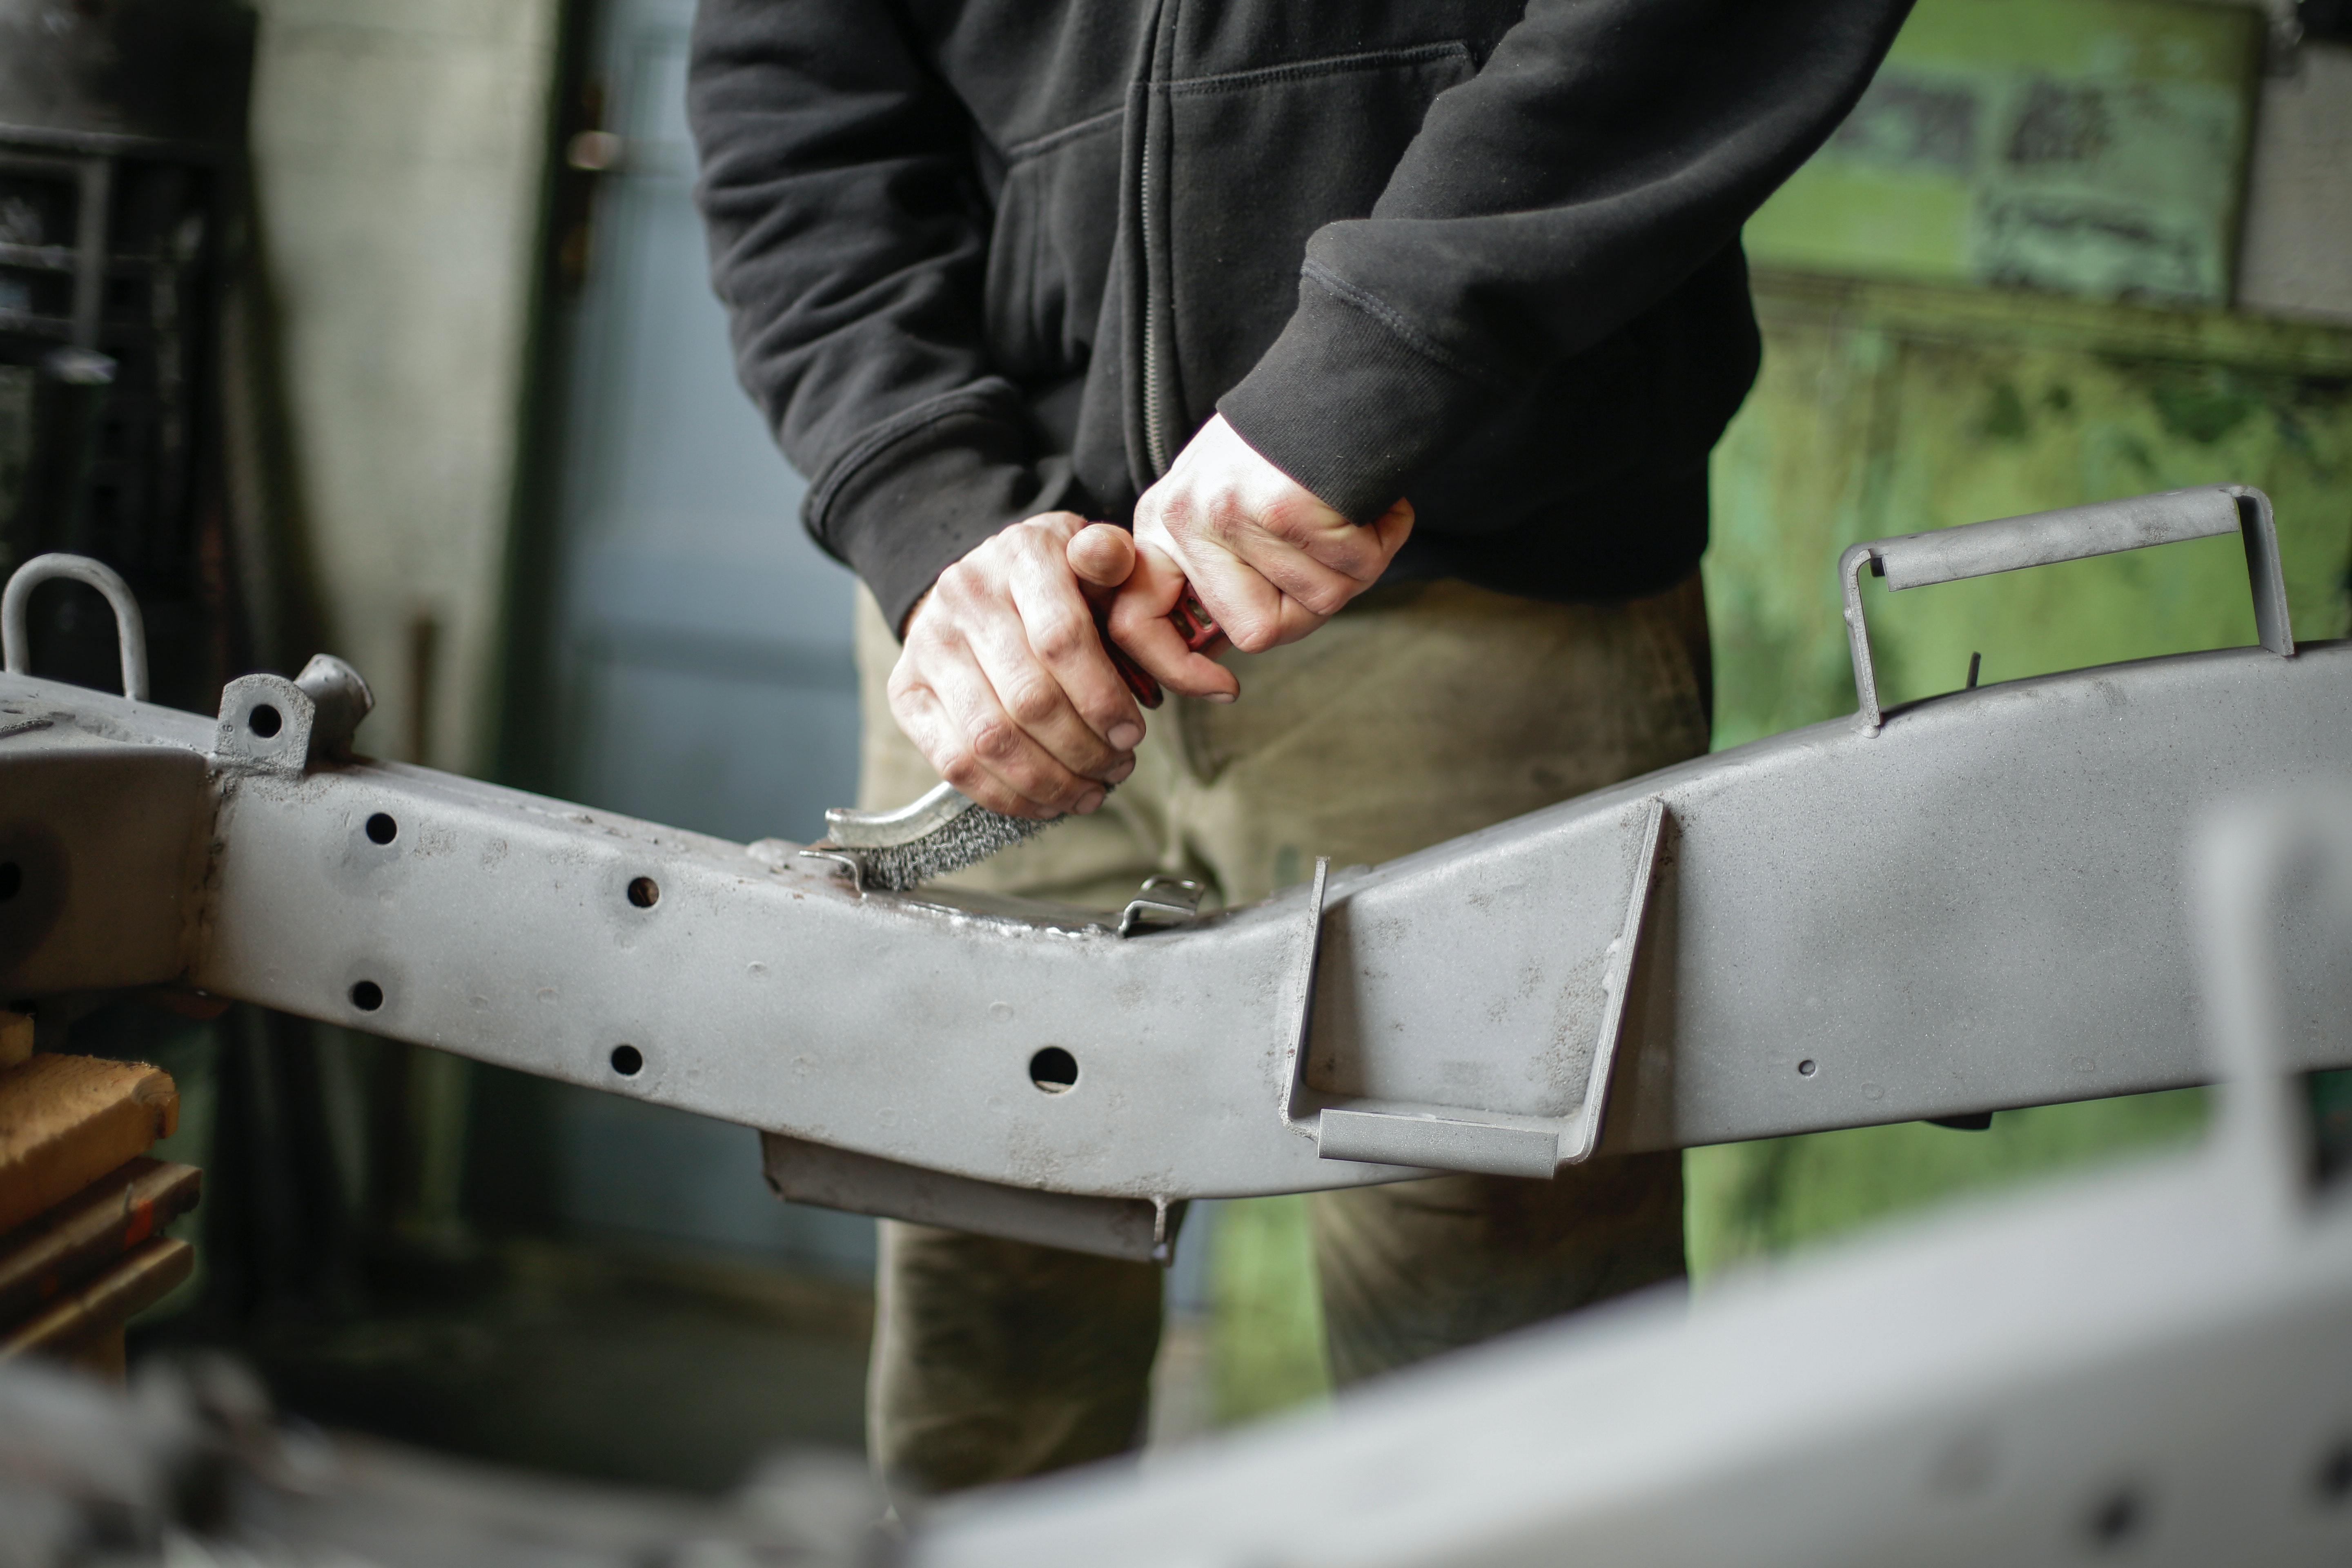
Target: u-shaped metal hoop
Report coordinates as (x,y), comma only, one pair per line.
(17,644)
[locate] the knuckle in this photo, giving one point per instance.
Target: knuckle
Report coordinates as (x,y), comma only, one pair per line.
(1057,640)
(1031,703)
(962,770)
(995,741)
(1226,519)
(1254,634)
(957,585)
(1288,521)
(1323,599)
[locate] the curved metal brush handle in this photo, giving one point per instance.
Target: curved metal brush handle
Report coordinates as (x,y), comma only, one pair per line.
(2071,533)
(852,829)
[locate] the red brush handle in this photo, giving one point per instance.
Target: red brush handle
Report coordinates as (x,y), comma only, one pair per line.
(1193,622)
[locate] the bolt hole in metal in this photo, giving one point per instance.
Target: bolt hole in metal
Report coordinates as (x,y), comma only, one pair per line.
(265,721)
(381,828)
(367,995)
(12,881)
(2117,1518)
(628,1062)
(644,892)
(1055,1071)
(2334,1478)
(1807,1068)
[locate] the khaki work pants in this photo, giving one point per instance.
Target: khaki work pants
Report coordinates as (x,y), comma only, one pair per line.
(1419,713)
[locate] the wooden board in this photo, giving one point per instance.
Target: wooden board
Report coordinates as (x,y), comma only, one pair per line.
(48,1256)
(94,1314)
(65,1122)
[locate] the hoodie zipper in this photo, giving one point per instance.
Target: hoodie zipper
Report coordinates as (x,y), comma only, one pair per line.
(1155,439)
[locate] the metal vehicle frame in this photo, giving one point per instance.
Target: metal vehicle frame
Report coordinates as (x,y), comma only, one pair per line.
(1964,904)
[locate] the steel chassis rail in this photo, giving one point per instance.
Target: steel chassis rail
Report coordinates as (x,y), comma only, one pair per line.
(2143,1364)
(1973,904)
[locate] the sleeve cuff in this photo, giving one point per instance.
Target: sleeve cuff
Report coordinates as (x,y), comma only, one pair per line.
(1344,404)
(901,514)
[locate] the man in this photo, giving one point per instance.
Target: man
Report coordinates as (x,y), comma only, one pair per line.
(1403,331)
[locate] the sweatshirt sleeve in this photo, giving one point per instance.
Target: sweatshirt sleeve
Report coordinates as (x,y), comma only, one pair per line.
(1606,149)
(848,238)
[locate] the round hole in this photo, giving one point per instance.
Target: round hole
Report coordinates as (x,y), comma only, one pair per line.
(381,828)
(1054,1070)
(2117,1519)
(628,1062)
(644,892)
(1805,1069)
(265,721)
(2334,1477)
(12,881)
(367,995)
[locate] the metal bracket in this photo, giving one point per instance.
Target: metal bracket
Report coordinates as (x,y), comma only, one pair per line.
(2073,533)
(1294,1086)
(341,697)
(16,604)
(265,725)
(1162,904)
(1142,1230)
(1506,1145)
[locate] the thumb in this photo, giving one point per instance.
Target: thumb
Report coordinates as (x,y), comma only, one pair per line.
(1101,554)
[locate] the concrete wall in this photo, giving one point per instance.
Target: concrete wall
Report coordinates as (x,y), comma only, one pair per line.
(399,150)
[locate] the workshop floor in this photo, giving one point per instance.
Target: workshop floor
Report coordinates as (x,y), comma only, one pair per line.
(597,1362)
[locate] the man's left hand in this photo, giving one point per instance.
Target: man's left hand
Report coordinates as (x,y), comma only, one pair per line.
(1269,561)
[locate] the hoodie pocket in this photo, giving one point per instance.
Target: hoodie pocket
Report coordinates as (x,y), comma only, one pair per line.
(1257,160)
(1050,251)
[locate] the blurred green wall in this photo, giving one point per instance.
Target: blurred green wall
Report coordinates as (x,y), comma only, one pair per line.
(2090,146)
(1887,408)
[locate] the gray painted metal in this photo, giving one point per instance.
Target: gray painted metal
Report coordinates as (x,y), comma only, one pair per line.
(2102,528)
(860,1184)
(1979,908)
(1971,912)
(2146,1365)
(883,829)
(130,630)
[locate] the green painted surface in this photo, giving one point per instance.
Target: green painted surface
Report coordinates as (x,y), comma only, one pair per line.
(1751,1200)
(1885,408)
(2091,146)
(1266,1325)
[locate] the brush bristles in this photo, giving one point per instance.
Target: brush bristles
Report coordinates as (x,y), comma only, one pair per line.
(966,839)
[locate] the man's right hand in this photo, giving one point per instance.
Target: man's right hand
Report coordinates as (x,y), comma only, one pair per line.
(1002,682)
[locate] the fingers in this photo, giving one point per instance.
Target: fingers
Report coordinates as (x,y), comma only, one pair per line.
(1055,676)
(1003,684)
(979,746)
(1139,624)
(1102,554)
(1263,591)
(1270,560)
(1393,528)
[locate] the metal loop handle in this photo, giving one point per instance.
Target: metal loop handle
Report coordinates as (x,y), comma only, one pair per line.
(2071,533)
(17,646)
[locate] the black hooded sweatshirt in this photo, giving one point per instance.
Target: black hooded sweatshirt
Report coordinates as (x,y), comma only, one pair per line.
(986,258)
